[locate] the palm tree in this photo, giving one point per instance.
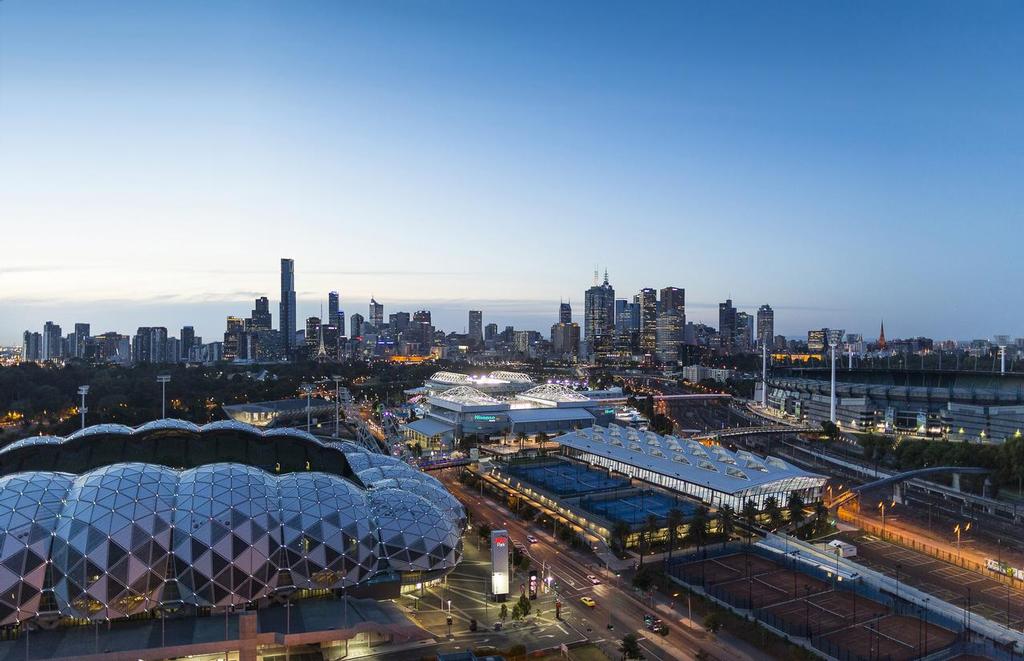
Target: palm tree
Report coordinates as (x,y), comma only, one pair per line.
(620,531)
(774,512)
(820,516)
(726,522)
(697,531)
(796,509)
(521,437)
(750,517)
(651,527)
(674,519)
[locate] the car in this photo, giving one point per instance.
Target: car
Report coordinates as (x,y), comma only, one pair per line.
(531,539)
(594,580)
(648,620)
(588,602)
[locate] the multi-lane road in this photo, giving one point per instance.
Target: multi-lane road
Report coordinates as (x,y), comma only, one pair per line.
(616,603)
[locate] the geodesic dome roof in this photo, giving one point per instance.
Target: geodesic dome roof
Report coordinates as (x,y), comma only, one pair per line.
(414,534)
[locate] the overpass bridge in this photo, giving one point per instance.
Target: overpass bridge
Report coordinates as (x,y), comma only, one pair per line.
(734,432)
(890,480)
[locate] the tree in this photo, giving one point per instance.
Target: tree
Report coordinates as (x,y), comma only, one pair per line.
(521,437)
(503,614)
(796,509)
(674,519)
(620,532)
(697,531)
(524,604)
(820,517)
(726,522)
(750,518)
(630,647)
(713,622)
(830,431)
(774,512)
(650,527)
(484,531)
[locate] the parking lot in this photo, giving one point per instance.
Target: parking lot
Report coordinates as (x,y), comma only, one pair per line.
(988,598)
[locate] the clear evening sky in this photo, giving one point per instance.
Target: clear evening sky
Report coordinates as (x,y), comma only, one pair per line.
(843,161)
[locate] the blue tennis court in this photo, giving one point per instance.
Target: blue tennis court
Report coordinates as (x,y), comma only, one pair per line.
(636,507)
(566,479)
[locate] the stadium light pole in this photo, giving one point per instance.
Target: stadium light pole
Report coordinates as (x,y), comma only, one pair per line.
(308,389)
(337,402)
(764,373)
(163,380)
(832,397)
(83,391)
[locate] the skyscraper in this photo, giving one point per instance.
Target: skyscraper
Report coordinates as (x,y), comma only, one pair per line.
(261,319)
(422,330)
(334,309)
(31,348)
(476,327)
(599,315)
(673,298)
(376,317)
(357,325)
(399,322)
(490,332)
(744,331)
(312,336)
(234,336)
(564,313)
(648,300)
(188,340)
(287,315)
(766,326)
(727,325)
(669,335)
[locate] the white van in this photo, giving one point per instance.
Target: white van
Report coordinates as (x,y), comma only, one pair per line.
(845,549)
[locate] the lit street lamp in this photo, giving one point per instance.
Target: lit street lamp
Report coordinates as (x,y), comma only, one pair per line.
(163,380)
(958,530)
(83,391)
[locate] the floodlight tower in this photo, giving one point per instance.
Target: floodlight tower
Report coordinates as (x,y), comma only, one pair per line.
(163,380)
(764,373)
(83,391)
(308,389)
(832,391)
(1002,341)
(337,402)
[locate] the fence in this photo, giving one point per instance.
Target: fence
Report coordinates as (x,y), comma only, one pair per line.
(871,527)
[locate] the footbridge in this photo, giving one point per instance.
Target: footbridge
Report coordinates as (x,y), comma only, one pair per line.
(889,480)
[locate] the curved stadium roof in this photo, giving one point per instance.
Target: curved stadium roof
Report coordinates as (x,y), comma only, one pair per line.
(125,537)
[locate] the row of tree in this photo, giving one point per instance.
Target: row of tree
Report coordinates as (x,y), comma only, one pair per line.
(700,531)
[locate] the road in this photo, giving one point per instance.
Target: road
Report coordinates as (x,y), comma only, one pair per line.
(616,602)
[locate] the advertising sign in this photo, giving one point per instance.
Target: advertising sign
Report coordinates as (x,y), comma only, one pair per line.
(534,581)
(500,552)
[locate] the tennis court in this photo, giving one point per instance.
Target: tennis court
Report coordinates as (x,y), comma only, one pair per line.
(895,637)
(827,612)
(566,479)
(636,507)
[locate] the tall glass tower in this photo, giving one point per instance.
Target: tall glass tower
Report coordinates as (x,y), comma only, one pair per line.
(287,316)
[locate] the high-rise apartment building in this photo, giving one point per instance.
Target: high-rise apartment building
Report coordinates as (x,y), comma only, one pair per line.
(599,315)
(744,331)
(31,346)
(79,339)
(766,326)
(399,322)
(476,326)
(53,341)
(287,317)
(234,337)
(490,332)
(312,336)
(422,330)
(188,340)
(817,340)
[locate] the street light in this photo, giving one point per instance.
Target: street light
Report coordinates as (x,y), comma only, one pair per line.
(83,391)
(337,402)
(958,530)
(163,380)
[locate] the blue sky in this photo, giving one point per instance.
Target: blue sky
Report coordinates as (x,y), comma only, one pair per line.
(844,162)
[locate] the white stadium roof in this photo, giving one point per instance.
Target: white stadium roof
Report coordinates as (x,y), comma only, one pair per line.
(688,460)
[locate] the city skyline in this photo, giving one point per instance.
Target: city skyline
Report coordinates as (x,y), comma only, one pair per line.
(825,160)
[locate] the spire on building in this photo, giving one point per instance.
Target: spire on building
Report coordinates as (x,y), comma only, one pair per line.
(881,336)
